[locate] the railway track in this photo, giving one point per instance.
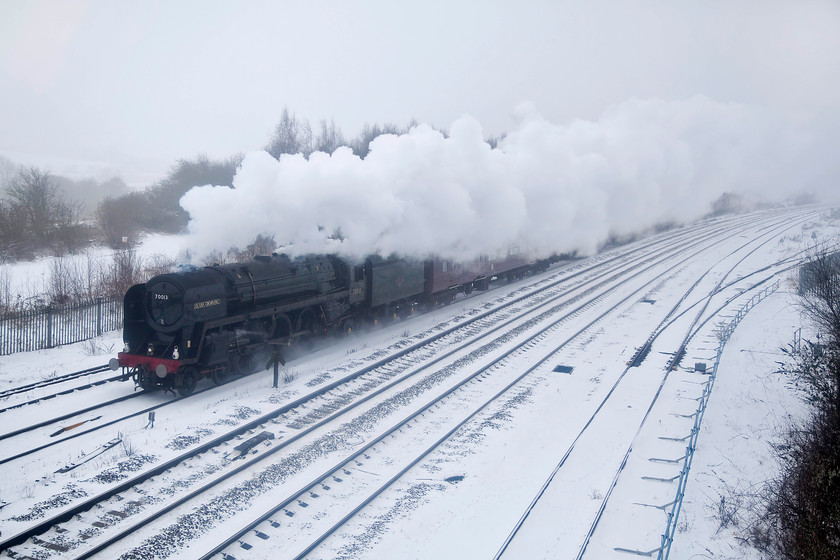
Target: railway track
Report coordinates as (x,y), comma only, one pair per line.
(510,546)
(234,545)
(98,369)
(53,424)
(246,542)
(225,442)
(54,381)
(666,465)
(334,472)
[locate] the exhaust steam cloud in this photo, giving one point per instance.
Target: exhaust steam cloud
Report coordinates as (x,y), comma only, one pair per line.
(548,187)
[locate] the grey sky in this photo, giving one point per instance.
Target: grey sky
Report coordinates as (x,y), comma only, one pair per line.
(87,86)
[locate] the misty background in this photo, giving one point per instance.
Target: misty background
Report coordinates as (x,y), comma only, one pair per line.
(554,125)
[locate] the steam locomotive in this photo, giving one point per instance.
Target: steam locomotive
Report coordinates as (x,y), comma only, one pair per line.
(216,321)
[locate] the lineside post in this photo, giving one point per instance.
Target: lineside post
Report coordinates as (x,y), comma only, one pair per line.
(276,360)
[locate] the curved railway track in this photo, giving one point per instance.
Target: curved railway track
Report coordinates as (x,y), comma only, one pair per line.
(243,545)
(373,381)
(53,422)
(676,354)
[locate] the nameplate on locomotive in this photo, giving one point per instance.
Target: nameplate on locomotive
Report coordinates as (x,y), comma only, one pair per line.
(208,303)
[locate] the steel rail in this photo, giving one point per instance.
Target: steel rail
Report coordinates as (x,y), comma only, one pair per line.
(251,526)
(52,381)
(87,504)
(623,255)
(657,331)
(305,400)
(693,329)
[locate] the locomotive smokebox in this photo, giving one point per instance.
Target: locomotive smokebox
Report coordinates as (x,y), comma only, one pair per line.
(173,300)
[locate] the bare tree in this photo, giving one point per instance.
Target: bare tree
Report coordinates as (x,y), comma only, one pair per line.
(262,245)
(34,194)
(5,288)
(158,207)
(330,137)
(817,364)
(158,264)
(125,271)
(164,197)
(12,232)
(361,144)
(215,258)
(119,219)
(8,169)
(291,136)
(36,205)
(494,141)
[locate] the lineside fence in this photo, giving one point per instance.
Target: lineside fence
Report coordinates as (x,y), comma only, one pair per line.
(724,334)
(58,325)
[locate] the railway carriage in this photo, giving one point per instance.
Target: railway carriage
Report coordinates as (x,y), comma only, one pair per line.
(446,278)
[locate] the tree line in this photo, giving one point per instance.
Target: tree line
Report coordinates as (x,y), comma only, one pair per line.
(45,214)
(41,213)
(156,208)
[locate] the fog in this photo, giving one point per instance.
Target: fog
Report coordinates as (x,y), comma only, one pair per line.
(96,88)
(641,112)
(548,187)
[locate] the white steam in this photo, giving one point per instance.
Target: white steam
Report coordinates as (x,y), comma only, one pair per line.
(549,187)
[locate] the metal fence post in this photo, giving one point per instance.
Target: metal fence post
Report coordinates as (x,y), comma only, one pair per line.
(49,326)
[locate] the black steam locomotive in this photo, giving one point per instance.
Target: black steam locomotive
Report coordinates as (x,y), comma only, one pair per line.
(217,321)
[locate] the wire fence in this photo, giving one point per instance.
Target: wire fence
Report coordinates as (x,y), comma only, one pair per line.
(57,325)
(724,333)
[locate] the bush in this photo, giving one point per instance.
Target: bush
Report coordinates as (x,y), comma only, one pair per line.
(802,519)
(158,209)
(121,220)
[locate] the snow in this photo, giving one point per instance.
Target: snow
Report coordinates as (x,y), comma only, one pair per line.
(751,407)
(462,500)
(27,367)
(27,280)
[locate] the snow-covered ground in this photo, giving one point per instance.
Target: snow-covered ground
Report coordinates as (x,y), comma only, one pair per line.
(751,408)
(461,502)
(26,280)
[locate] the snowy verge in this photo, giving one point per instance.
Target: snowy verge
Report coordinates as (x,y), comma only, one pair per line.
(751,407)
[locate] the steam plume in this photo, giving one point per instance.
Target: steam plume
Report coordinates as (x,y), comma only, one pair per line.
(549,187)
